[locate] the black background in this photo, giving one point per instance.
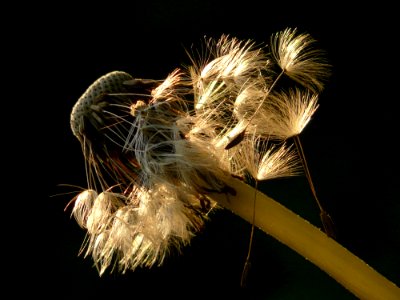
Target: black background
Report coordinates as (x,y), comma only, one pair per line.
(350,145)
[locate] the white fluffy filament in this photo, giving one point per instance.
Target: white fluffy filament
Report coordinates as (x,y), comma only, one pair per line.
(265,161)
(286,114)
(298,57)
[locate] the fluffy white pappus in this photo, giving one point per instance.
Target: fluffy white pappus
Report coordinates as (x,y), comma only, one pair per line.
(154,132)
(209,93)
(164,151)
(83,204)
(202,135)
(143,231)
(172,145)
(198,167)
(286,114)
(265,161)
(233,59)
(172,88)
(298,57)
(230,63)
(104,206)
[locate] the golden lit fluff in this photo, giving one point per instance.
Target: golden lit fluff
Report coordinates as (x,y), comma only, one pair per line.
(154,149)
(300,59)
(265,161)
(286,114)
(226,64)
(132,235)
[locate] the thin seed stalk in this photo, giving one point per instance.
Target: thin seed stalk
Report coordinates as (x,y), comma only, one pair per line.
(309,241)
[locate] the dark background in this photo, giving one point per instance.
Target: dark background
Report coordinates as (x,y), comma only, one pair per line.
(350,145)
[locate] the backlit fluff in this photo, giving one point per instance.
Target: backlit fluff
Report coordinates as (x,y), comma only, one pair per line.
(285,114)
(268,161)
(154,149)
(300,59)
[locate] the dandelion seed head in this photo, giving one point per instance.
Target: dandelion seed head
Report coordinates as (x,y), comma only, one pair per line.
(154,149)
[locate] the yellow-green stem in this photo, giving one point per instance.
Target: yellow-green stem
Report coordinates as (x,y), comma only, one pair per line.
(309,241)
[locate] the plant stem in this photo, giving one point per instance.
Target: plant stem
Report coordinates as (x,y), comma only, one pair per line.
(309,241)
